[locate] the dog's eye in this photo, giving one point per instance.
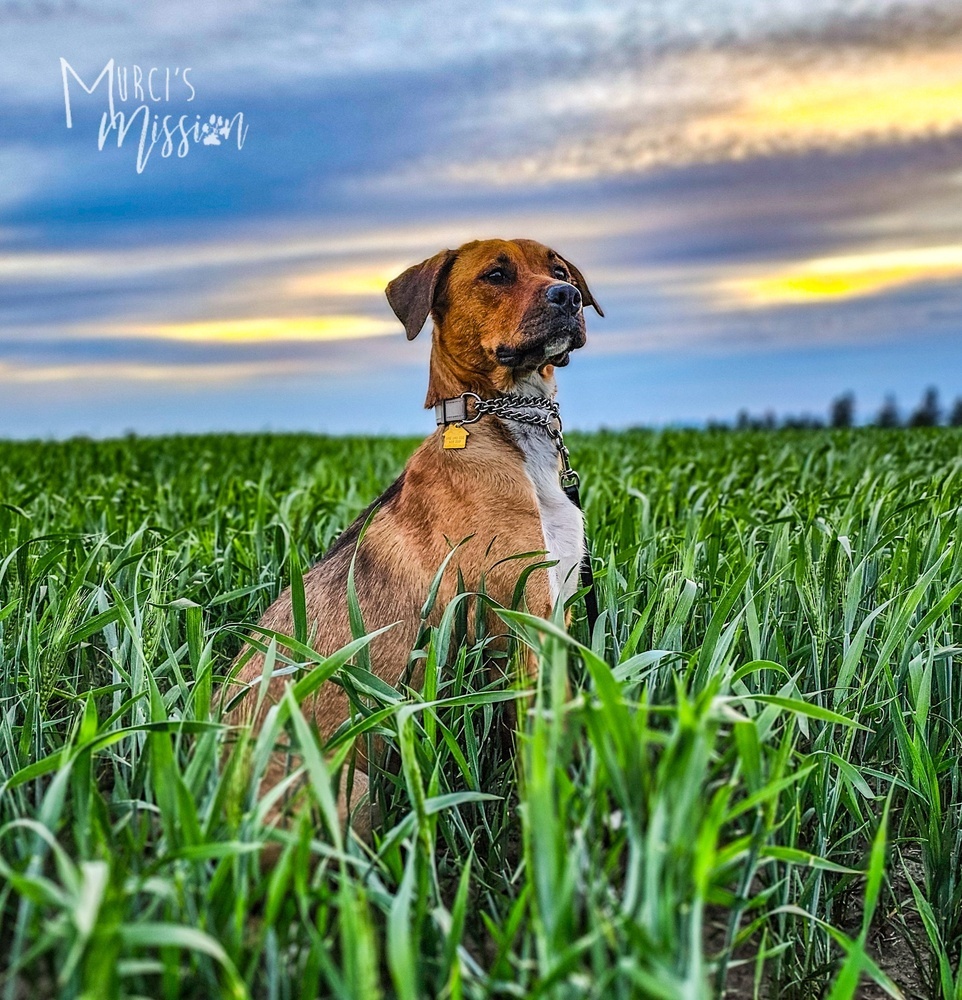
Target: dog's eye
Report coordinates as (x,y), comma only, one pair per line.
(560,272)
(497,276)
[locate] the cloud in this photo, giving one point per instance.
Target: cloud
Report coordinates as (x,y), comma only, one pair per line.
(844,276)
(268,41)
(94,365)
(159,258)
(276,328)
(364,282)
(382,247)
(266,284)
(89,372)
(708,104)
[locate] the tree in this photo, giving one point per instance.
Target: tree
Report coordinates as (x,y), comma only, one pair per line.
(929,413)
(955,417)
(804,421)
(842,411)
(888,416)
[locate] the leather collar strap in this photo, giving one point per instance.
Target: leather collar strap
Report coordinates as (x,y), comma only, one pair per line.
(540,412)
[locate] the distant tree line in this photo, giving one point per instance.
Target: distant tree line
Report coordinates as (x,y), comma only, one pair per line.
(841,413)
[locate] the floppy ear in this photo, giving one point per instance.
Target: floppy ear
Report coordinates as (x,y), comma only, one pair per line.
(586,297)
(412,293)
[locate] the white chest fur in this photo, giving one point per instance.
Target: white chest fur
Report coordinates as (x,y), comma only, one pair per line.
(562,524)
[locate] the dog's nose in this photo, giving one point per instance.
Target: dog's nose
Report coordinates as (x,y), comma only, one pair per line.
(564,296)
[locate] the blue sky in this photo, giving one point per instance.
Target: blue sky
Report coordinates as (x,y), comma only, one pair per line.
(765,195)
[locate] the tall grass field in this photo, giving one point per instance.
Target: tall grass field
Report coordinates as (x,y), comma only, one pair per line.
(751,787)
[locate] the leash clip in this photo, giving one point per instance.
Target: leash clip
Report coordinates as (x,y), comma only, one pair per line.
(569,478)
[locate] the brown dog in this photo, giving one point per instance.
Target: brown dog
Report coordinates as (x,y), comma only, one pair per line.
(506,313)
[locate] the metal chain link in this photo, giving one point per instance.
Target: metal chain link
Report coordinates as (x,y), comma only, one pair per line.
(517,407)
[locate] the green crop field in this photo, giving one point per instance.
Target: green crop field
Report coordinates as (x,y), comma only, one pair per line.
(755,786)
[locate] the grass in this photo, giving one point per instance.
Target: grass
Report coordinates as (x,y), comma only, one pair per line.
(755,785)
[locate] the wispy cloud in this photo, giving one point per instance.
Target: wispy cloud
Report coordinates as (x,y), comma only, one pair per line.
(366,282)
(276,328)
(702,106)
(284,40)
(92,373)
(102,364)
(845,276)
(384,248)
(165,258)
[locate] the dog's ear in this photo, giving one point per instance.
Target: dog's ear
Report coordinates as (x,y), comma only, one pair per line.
(586,297)
(413,293)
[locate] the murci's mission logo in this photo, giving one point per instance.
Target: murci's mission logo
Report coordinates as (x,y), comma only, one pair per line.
(147,88)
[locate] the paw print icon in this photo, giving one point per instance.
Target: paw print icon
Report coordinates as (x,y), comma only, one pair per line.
(214,130)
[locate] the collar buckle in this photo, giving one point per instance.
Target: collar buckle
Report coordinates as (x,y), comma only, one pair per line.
(455,410)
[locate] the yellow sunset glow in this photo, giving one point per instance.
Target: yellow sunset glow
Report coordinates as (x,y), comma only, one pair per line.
(267,329)
(845,276)
(329,284)
(900,94)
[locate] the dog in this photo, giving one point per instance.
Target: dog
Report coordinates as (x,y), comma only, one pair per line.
(506,314)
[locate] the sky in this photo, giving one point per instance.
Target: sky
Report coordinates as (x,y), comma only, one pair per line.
(764,195)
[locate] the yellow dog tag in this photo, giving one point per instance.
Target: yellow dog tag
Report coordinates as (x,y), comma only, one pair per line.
(455,436)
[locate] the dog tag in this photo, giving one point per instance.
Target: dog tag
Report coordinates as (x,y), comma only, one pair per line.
(455,436)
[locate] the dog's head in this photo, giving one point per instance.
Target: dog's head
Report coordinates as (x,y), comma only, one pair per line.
(503,308)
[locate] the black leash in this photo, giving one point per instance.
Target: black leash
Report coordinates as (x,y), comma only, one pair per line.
(540,412)
(570,483)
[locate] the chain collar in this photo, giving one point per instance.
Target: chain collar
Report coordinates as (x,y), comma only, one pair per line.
(535,410)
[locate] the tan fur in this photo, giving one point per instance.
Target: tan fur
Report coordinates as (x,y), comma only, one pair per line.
(443,496)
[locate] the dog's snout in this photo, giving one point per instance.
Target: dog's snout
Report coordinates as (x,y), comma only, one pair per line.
(565,296)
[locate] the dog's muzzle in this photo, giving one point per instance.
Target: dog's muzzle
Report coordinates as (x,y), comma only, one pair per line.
(552,349)
(549,332)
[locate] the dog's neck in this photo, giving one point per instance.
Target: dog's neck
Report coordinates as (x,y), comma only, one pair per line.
(448,379)
(538,383)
